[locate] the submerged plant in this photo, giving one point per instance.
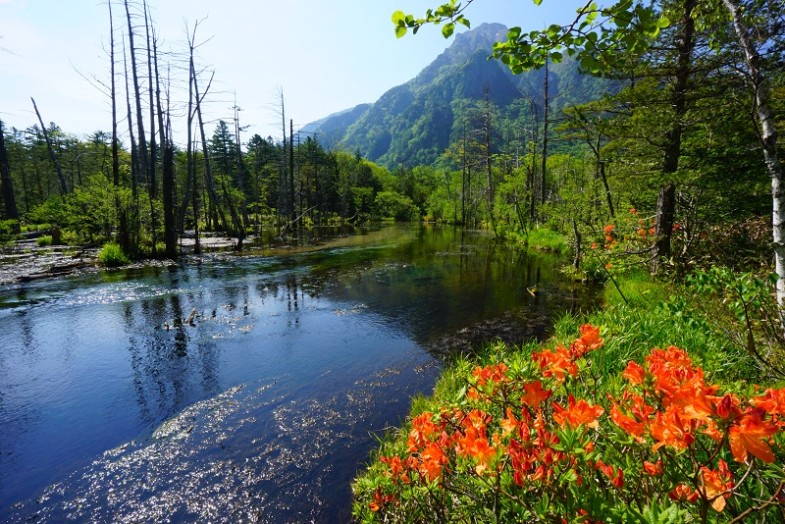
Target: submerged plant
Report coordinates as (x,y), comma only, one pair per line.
(547,439)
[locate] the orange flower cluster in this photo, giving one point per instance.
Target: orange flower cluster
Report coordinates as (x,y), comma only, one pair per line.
(506,428)
(680,405)
(610,241)
(560,362)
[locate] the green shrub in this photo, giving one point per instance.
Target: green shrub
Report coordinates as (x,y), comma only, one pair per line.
(9,229)
(111,255)
(44,240)
(390,204)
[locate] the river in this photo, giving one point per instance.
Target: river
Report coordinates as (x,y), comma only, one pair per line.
(244,388)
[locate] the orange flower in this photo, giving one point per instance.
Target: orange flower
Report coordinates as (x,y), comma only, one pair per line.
(472,441)
(727,407)
(557,363)
(423,431)
(609,229)
(579,413)
(717,485)
(432,461)
(534,394)
(588,341)
(683,493)
(509,423)
(379,500)
(615,475)
(397,468)
(495,373)
(653,469)
(772,402)
(630,425)
(634,373)
(475,395)
(668,429)
(633,211)
(749,435)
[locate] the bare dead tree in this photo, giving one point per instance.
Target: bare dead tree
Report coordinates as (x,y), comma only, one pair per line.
(52,155)
(143,159)
(122,218)
(167,181)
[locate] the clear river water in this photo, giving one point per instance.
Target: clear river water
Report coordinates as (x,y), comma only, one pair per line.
(244,388)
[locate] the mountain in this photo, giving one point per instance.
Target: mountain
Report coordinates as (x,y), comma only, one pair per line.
(332,128)
(413,123)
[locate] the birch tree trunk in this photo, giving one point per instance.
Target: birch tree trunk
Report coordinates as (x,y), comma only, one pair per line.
(768,137)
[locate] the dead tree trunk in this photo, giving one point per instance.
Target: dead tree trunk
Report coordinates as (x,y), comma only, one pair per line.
(208,171)
(153,153)
(52,156)
(292,207)
(152,183)
(144,165)
(134,229)
(167,181)
(121,216)
(190,163)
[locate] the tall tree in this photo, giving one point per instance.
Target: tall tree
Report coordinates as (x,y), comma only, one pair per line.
(666,202)
(122,217)
(143,156)
(167,177)
(744,31)
(6,183)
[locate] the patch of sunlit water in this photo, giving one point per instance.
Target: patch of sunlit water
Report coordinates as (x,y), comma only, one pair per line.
(246,455)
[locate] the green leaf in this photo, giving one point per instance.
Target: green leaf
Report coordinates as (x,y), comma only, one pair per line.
(622,18)
(556,57)
(400,31)
(398,17)
(663,22)
(448,30)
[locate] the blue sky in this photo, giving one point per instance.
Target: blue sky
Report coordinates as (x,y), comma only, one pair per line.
(325,55)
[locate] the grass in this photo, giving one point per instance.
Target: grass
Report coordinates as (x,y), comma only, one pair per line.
(655,315)
(111,255)
(44,240)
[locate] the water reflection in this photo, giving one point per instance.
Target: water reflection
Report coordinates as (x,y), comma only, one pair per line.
(242,389)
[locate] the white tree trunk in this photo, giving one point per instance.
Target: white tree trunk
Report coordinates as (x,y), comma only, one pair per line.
(769,139)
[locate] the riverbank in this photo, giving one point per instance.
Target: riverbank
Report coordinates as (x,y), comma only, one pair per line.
(26,260)
(543,432)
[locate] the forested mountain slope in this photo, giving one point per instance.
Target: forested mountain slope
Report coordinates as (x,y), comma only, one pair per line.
(414,123)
